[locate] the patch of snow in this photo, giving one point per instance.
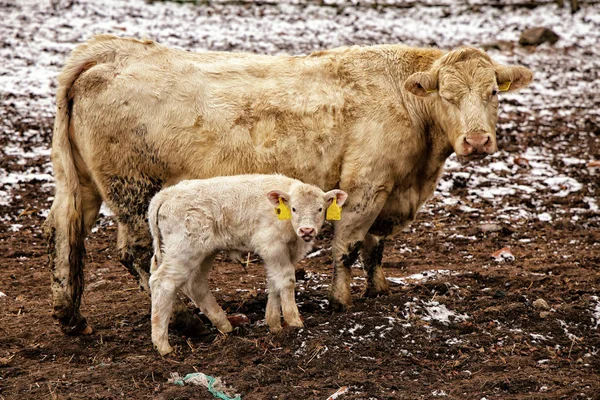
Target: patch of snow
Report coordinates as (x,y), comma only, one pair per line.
(422,276)
(2,295)
(545,217)
(439,393)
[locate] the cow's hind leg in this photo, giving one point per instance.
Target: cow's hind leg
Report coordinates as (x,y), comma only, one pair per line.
(198,290)
(65,230)
(372,254)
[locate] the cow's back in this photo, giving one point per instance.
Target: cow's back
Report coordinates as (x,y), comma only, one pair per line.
(162,115)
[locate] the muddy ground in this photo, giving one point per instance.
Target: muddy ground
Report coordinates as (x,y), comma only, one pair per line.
(383,348)
(457,324)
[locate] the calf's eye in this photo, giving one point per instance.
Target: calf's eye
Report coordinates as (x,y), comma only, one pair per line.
(494,92)
(320,209)
(293,209)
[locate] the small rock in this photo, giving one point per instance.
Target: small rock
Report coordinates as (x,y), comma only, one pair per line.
(498,294)
(541,304)
(490,228)
(537,36)
(238,320)
(502,45)
(544,314)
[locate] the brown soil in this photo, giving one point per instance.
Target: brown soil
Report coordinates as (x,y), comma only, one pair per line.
(392,353)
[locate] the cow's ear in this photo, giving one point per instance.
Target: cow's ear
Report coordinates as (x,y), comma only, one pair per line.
(422,84)
(511,78)
(275,195)
(339,195)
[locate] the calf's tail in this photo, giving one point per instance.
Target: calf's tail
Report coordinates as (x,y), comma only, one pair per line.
(153,211)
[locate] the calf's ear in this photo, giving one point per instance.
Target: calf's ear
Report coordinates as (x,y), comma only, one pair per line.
(339,195)
(421,84)
(275,195)
(511,78)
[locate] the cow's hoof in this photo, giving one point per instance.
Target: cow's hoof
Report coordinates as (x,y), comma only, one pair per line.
(76,325)
(188,325)
(337,306)
(87,330)
(372,292)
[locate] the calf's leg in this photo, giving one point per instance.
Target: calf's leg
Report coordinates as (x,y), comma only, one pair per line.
(164,284)
(282,280)
(198,290)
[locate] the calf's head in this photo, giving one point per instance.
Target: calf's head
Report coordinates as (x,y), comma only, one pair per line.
(464,85)
(307,205)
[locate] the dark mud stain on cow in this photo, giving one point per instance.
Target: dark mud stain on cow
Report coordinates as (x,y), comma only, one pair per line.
(352,255)
(373,259)
(130,196)
(384,226)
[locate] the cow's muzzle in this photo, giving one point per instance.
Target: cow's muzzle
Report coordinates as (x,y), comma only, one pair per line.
(475,146)
(307,234)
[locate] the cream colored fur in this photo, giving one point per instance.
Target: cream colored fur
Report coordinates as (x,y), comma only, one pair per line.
(193,220)
(376,121)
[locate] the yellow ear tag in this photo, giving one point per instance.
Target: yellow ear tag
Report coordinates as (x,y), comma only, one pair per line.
(283,212)
(334,212)
(431,90)
(504,87)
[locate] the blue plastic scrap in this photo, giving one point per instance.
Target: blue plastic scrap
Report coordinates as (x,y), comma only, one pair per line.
(205,380)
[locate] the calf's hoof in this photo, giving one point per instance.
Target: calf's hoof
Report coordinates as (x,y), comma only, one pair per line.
(294,324)
(337,306)
(275,329)
(164,349)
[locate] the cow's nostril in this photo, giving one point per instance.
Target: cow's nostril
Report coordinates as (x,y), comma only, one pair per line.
(306,231)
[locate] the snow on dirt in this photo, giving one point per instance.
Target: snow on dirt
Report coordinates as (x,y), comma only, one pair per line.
(539,182)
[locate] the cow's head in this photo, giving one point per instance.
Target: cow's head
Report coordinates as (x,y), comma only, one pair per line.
(464,85)
(307,205)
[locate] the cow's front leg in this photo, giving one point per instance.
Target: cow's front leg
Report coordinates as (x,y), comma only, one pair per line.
(372,254)
(360,210)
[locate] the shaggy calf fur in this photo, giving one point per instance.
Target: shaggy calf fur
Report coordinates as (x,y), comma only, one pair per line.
(193,220)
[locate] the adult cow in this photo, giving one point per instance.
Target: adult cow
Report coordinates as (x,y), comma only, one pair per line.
(378,122)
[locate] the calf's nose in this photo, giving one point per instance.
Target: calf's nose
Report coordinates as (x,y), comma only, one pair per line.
(307,231)
(479,143)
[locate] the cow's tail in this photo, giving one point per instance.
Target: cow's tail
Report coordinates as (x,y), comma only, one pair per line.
(68,185)
(153,211)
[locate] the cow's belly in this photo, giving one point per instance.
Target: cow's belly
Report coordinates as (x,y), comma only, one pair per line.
(134,145)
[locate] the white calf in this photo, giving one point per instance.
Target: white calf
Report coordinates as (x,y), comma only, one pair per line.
(193,220)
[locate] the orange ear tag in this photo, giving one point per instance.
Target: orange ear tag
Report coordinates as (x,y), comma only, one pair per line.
(334,212)
(283,212)
(504,87)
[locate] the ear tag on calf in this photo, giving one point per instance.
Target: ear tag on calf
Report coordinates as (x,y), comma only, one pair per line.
(334,212)
(504,87)
(431,90)
(283,212)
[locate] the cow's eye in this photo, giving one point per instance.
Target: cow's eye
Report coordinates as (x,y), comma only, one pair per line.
(320,209)
(494,92)
(293,209)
